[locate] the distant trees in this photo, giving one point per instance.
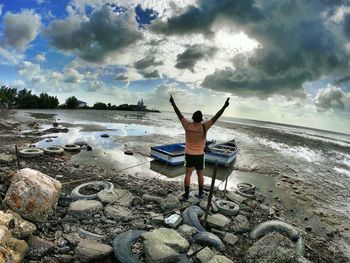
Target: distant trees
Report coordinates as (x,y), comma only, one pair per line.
(71,103)
(100,106)
(24,99)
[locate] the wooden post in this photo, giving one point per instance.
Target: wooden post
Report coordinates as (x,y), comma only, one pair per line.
(17,157)
(210,193)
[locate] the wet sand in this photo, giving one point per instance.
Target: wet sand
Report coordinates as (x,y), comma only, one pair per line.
(316,203)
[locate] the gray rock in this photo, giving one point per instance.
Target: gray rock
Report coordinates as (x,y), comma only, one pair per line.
(187,231)
(151,198)
(65,258)
(92,251)
(157,252)
(107,196)
(218,221)
(157,219)
(173,221)
(235,197)
(241,224)
(230,238)
(39,247)
(205,255)
(220,259)
(170,203)
(124,197)
(194,248)
(273,247)
(118,213)
(83,208)
(168,237)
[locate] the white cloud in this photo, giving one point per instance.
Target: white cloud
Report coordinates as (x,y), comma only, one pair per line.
(20,29)
(73,76)
(40,58)
(10,57)
(331,97)
(1,7)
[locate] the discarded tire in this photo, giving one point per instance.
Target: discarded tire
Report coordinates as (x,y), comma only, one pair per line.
(122,246)
(227,208)
(209,239)
(94,184)
(246,190)
(190,217)
(283,228)
(71,148)
(31,152)
(53,150)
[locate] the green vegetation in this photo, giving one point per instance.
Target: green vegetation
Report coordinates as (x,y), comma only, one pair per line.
(71,103)
(24,99)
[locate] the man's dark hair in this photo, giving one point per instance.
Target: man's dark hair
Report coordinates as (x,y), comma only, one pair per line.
(197,116)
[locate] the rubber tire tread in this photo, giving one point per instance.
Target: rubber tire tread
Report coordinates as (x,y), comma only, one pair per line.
(206,238)
(226,211)
(122,246)
(280,227)
(75,194)
(190,217)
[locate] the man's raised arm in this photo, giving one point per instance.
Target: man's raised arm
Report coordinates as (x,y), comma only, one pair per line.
(221,111)
(176,109)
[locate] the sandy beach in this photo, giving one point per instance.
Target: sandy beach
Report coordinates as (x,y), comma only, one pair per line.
(316,205)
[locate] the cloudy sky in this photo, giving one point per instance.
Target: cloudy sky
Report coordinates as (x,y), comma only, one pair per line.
(279,60)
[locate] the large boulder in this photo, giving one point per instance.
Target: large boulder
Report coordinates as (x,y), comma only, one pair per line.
(19,227)
(157,252)
(32,194)
(11,249)
(170,203)
(273,247)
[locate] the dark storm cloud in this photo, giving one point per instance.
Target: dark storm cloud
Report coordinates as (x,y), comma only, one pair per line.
(192,55)
(297,43)
(93,39)
(147,62)
(199,19)
(150,74)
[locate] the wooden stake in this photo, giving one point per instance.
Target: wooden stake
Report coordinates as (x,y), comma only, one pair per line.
(210,193)
(17,157)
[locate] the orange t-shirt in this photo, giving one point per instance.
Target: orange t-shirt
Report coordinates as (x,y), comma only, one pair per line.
(195,140)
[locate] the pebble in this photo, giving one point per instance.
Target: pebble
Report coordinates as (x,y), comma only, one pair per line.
(64,250)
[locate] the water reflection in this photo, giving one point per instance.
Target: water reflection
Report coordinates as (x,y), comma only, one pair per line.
(174,171)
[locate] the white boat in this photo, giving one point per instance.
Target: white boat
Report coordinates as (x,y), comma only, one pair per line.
(222,153)
(172,154)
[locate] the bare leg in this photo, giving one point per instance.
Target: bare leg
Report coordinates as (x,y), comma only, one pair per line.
(200,177)
(187,181)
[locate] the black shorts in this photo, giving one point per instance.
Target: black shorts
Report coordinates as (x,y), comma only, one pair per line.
(196,161)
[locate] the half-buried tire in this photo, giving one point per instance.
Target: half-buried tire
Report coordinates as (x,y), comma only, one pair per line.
(190,217)
(209,239)
(99,185)
(54,150)
(31,152)
(227,208)
(71,148)
(122,246)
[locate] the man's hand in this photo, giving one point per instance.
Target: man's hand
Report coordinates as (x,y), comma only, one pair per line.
(171,100)
(227,102)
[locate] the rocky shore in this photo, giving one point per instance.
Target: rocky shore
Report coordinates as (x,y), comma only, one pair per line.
(133,218)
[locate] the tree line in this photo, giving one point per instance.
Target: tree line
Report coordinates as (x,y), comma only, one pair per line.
(24,99)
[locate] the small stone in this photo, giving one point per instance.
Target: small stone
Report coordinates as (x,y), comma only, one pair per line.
(107,196)
(124,197)
(149,207)
(118,213)
(194,248)
(64,250)
(84,207)
(151,198)
(205,255)
(92,251)
(168,237)
(39,247)
(230,238)
(65,258)
(128,152)
(218,221)
(170,203)
(157,252)
(308,228)
(187,231)
(241,224)
(220,259)
(157,219)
